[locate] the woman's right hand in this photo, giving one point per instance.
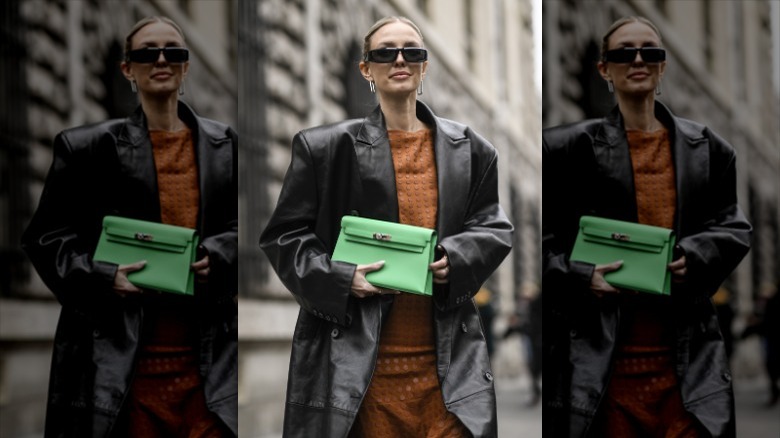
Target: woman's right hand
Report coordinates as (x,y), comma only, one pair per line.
(598,285)
(361,288)
(122,285)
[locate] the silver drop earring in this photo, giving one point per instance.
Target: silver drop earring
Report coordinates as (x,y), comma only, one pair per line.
(658,89)
(372,86)
(181,88)
(420,88)
(133,87)
(610,87)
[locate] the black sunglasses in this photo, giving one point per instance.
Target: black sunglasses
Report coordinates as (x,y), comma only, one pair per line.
(390,54)
(627,55)
(149,55)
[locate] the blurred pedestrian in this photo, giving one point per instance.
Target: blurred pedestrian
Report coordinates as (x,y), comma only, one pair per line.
(130,362)
(621,363)
(765,322)
(368,361)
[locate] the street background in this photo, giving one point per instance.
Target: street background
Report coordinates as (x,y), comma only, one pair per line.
(273,67)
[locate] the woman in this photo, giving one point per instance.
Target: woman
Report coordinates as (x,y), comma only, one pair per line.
(131,362)
(620,363)
(370,362)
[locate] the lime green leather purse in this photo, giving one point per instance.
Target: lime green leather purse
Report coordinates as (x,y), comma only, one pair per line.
(407,251)
(644,249)
(168,250)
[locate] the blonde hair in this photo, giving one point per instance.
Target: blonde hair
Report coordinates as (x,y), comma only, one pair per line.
(619,23)
(379,24)
(145,21)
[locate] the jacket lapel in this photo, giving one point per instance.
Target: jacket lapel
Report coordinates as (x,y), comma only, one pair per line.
(453,172)
(691,164)
(375,164)
(212,159)
(137,169)
(615,195)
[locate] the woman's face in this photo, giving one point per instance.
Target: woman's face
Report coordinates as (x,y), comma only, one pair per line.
(160,77)
(399,76)
(637,77)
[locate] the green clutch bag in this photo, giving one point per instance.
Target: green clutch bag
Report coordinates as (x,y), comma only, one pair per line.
(407,251)
(168,250)
(644,249)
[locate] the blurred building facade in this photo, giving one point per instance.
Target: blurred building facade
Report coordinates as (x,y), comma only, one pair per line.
(300,69)
(59,68)
(720,72)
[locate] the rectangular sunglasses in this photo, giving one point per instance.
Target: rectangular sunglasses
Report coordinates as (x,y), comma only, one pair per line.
(627,55)
(149,55)
(390,54)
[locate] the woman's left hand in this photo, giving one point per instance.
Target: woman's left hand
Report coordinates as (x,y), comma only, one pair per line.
(201,268)
(441,270)
(678,269)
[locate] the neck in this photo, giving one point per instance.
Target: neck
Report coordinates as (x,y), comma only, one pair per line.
(162,114)
(400,114)
(638,112)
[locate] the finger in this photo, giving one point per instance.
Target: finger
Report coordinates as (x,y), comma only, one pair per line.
(441,273)
(132,267)
(200,264)
(371,267)
(614,266)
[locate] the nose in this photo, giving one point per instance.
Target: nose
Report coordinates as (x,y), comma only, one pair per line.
(399,58)
(639,56)
(161,58)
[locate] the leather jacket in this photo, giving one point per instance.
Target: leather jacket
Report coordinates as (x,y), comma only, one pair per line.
(587,171)
(347,168)
(108,168)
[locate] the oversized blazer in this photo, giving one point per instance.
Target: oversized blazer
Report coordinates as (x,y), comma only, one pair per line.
(347,168)
(108,168)
(587,171)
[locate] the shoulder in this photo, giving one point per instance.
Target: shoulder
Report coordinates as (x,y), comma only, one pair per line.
(456,132)
(334,133)
(88,136)
(565,136)
(695,132)
(216,130)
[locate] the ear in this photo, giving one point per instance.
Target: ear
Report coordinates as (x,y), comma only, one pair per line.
(661,69)
(184,69)
(603,71)
(365,71)
(424,69)
(127,71)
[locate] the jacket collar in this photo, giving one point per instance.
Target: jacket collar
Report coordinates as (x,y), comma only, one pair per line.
(689,154)
(136,159)
(377,174)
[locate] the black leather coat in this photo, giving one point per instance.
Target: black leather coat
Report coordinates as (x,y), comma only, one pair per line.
(347,168)
(108,168)
(587,170)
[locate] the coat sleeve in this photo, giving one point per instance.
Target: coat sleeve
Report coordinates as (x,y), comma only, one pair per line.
(55,239)
(222,247)
(559,218)
(296,253)
(485,239)
(719,243)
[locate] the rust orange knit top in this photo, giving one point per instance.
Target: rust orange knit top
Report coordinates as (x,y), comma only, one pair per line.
(404,397)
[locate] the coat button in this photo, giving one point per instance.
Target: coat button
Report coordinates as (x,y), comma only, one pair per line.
(573,333)
(335,333)
(489,376)
(726,377)
(335,319)
(96,333)
(327,318)
(464,327)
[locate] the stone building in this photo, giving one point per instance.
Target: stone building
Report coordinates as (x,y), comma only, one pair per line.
(59,68)
(720,72)
(304,72)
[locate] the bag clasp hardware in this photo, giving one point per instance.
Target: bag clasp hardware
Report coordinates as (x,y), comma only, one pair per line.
(144,237)
(383,237)
(621,237)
